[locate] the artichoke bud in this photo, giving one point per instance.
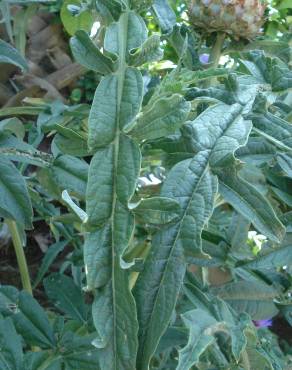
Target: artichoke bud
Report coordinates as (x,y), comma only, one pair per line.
(237,18)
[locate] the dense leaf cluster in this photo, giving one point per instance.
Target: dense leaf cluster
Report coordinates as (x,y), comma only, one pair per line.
(174,192)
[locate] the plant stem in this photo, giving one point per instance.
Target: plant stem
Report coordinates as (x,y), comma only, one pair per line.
(20,256)
(216,50)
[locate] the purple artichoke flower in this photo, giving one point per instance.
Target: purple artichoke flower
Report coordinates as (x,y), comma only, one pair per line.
(263,323)
(204,58)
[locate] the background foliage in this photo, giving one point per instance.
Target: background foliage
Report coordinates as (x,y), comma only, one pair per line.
(151,220)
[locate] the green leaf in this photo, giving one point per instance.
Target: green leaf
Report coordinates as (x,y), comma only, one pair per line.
(29,319)
(88,55)
(100,188)
(150,51)
(273,259)
(257,151)
(110,9)
(11,355)
(71,174)
(215,135)
(136,34)
(102,119)
(285,162)
(14,111)
(14,199)
(79,353)
(275,129)
(193,187)
(10,55)
(268,70)
(128,168)
(201,325)
(253,297)
(165,15)
(112,179)
(66,296)
(73,23)
(14,125)
(249,202)
(74,207)
(48,259)
(74,146)
(220,129)
(157,210)
(163,118)
(43,359)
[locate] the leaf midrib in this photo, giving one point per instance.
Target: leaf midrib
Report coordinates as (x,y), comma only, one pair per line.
(122,35)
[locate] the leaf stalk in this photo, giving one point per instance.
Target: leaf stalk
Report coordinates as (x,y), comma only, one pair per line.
(20,256)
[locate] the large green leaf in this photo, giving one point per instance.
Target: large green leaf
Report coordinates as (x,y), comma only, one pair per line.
(11,355)
(112,181)
(215,135)
(193,187)
(248,201)
(88,55)
(14,199)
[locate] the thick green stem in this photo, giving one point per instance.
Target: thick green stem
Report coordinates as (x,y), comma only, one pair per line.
(21,260)
(216,50)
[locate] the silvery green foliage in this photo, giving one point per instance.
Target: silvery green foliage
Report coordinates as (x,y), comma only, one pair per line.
(224,152)
(130,325)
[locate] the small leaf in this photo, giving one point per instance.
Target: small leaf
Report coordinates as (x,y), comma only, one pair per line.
(14,199)
(162,119)
(272,259)
(102,119)
(200,324)
(71,174)
(157,210)
(75,22)
(66,296)
(88,55)
(14,125)
(48,259)
(165,15)
(100,188)
(136,33)
(11,355)
(74,207)
(249,202)
(10,55)
(253,297)
(150,51)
